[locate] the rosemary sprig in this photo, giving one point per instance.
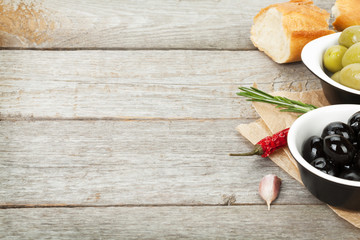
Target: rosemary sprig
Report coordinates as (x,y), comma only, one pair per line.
(286,105)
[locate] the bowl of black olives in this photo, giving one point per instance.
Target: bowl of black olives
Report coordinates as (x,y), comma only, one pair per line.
(325,143)
(335,60)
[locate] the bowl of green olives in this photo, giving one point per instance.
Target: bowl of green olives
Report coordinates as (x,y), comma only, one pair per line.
(325,143)
(335,60)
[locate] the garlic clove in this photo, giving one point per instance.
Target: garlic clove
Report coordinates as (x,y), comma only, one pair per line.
(269,188)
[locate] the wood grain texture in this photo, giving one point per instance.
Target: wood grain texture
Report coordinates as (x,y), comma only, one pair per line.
(222,222)
(139,84)
(132,163)
(120,127)
(159,24)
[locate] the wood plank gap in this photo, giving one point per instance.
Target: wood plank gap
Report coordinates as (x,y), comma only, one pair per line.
(11,206)
(33,119)
(127,49)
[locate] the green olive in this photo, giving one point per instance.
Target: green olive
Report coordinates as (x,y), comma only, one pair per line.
(333,58)
(336,76)
(352,55)
(350,36)
(350,76)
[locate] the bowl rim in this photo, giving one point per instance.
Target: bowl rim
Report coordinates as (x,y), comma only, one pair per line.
(296,154)
(319,46)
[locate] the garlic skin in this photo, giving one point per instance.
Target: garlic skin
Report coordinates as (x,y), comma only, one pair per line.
(269,188)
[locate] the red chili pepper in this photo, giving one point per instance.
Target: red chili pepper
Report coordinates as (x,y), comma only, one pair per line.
(268,144)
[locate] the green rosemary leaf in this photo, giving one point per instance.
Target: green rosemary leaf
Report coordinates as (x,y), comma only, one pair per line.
(286,104)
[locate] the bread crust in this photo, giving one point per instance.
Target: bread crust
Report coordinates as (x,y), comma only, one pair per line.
(302,22)
(349,14)
(299,39)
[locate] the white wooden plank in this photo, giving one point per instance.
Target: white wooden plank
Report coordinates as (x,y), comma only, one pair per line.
(132,162)
(139,84)
(234,222)
(157,24)
(162,171)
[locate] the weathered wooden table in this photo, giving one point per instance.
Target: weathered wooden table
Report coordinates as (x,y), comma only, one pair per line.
(117,118)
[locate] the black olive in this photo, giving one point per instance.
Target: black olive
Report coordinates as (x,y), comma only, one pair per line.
(350,174)
(339,149)
(348,166)
(356,160)
(356,145)
(313,148)
(325,166)
(354,122)
(339,128)
(332,170)
(319,163)
(357,140)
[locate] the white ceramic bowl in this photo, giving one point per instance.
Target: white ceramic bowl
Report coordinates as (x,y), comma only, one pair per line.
(312,57)
(329,189)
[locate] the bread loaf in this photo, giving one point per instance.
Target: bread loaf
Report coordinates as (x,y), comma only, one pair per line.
(282,30)
(346,14)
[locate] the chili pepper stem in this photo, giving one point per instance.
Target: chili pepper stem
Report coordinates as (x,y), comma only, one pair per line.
(258,150)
